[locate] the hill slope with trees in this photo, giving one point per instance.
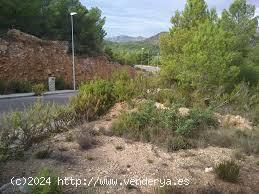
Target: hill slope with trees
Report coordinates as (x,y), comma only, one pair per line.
(50,19)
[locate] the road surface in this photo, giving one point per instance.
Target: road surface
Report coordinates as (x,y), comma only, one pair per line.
(20,104)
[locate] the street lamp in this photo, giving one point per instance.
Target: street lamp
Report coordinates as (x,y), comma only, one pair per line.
(73,50)
(148,57)
(142,55)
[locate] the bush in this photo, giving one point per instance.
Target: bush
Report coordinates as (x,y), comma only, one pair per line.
(123,86)
(227,171)
(50,186)
(7,87)
(20,130)
(60,84)
(178,143)
(19,86)
(163,125)
(85,139)
(42,154)
(197,121)
(136,125)
(94,99)
(2,87)
(38,89)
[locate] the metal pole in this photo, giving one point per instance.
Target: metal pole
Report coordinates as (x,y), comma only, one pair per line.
(141,56)
(148,58)
(73,54)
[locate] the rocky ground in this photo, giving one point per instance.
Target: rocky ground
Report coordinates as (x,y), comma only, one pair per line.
(120,159)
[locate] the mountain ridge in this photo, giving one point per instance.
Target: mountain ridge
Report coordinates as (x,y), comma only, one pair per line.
(125,38)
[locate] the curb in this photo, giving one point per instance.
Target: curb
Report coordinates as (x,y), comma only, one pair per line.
(59,92)
(16,96)
(11,96)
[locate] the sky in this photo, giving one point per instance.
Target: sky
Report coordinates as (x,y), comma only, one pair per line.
(145,17)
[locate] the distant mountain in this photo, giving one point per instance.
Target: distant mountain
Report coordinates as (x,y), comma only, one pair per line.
(154,39)
(124,38)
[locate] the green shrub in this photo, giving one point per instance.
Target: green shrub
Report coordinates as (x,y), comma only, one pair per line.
(50,187)
(35,123)
(162,125)
(94,99)
(42,154)
(7,87)
(123,86)
(172,190)
(178,143)
(136,125)
(38,89)
(186,127)
(61,84)
(2,87)
(19,86)
(167,96)
(227,171)
(198,121)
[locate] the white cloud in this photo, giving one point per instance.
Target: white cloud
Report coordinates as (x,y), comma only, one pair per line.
(145,17)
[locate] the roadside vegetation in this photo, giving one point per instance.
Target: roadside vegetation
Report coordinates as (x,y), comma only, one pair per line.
(179,108)
(14,86)
(131,53)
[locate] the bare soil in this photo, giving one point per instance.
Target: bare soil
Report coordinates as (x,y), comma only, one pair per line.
(118,158)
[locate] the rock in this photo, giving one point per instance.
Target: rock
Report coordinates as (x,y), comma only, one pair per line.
(234,121)
(161,106)
(210,169)
(9,188)
(184,111)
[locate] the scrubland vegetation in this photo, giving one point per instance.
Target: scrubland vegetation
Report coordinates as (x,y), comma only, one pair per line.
(209,65)
(9,87)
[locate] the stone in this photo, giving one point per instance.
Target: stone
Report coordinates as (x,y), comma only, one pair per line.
(161,106)
(207,170)
(9,188)
(184,111)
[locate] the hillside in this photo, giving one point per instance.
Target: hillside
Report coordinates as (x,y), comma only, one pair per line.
(124,38)
(154,39)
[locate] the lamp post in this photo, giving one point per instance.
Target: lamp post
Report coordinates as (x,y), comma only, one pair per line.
(73,50)
(142,56)
(148,57)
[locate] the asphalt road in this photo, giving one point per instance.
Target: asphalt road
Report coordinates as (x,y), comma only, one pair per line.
(7,105)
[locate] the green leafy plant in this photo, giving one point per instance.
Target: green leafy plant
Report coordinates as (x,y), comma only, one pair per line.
(197,121)
(94,99)
(227,171)
(42,154)
(123,86)
(61,84)
(38,89)
(14,86)
(178,143)
(50,185)
(32,125)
